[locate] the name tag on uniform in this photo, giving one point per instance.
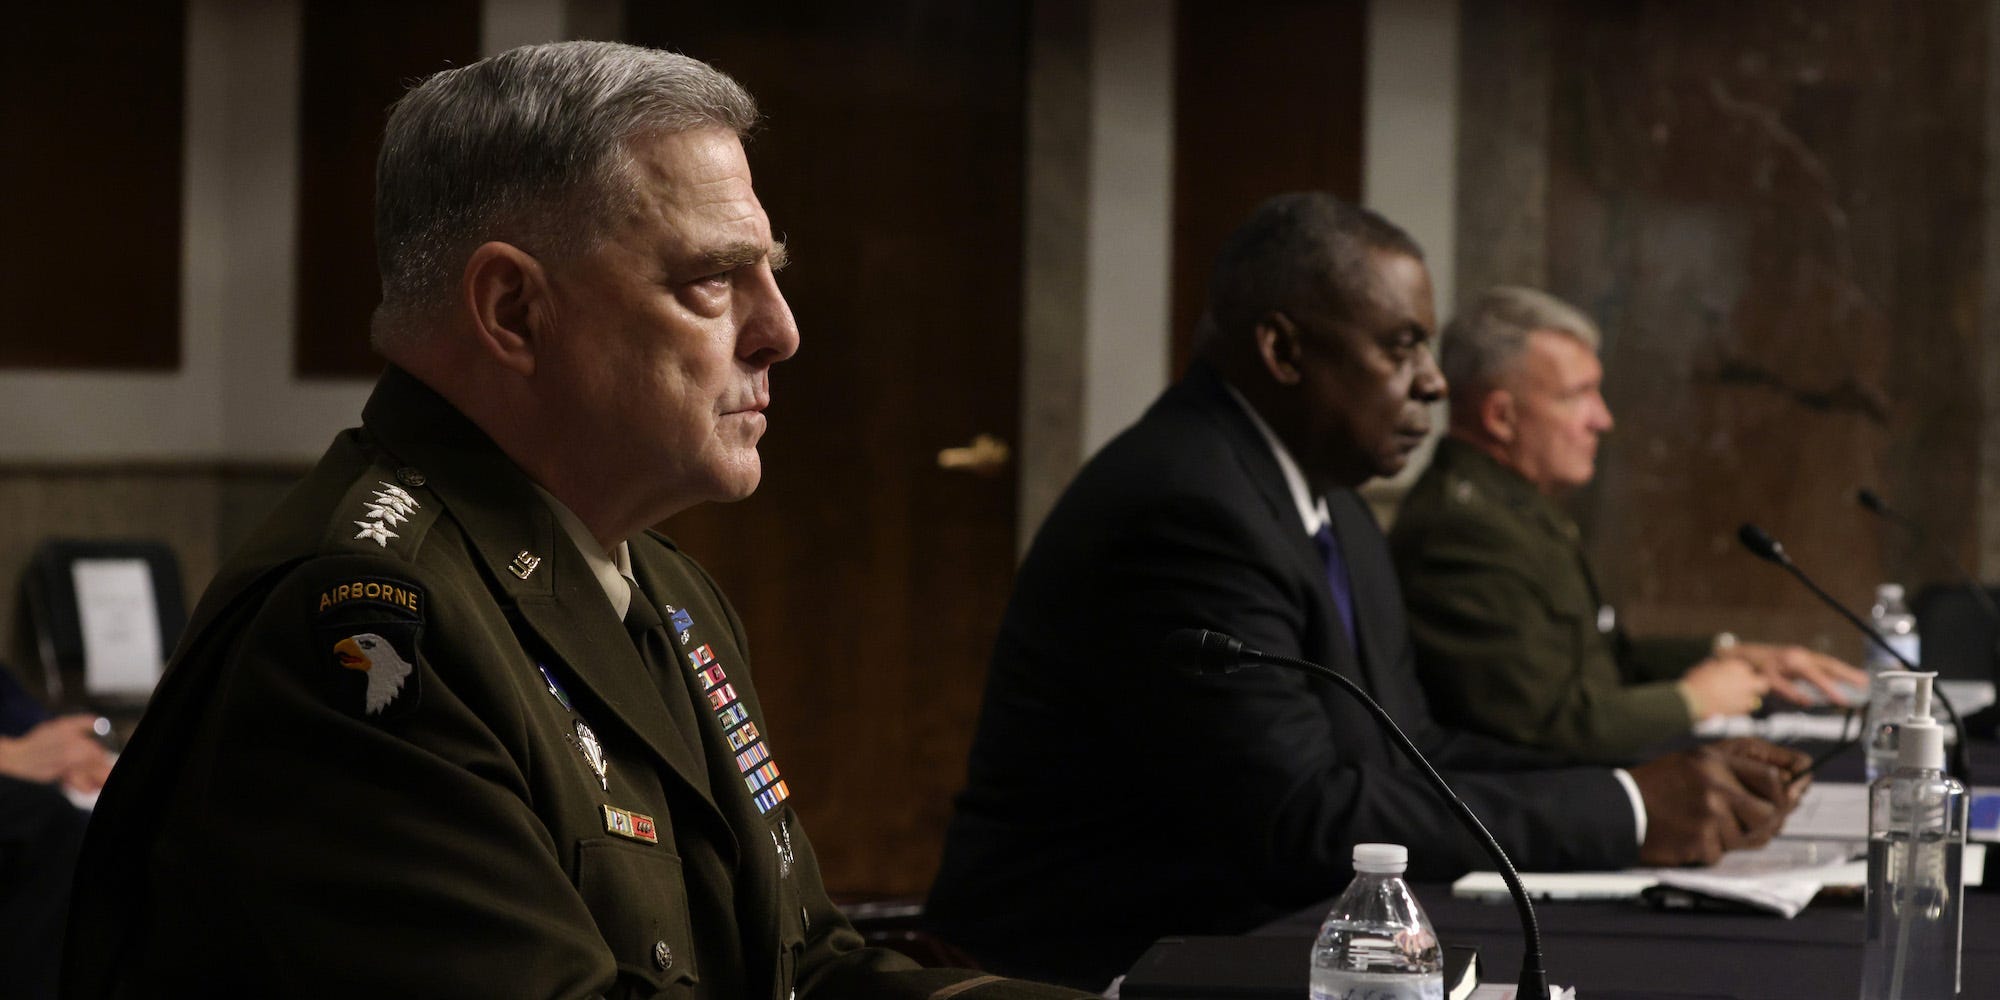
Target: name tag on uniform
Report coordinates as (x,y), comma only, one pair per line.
(631,825)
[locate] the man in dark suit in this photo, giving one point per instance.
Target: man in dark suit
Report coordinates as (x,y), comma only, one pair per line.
(454,722)
(1112,800)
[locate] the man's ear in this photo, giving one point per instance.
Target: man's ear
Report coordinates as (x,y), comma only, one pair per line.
(1278,347)
(1498,417)
(508,297)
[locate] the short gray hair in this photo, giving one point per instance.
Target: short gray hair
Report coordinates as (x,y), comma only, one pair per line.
(531,147)
(1484,340)
(1297,249)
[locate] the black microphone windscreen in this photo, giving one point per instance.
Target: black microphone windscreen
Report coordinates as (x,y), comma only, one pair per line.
(1201,651)
(1761,544)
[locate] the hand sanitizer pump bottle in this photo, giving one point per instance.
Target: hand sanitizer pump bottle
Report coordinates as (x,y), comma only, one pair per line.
(1916,854)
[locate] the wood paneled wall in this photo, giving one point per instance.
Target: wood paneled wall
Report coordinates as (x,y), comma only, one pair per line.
(91,166)
(1263,104)
(359,56)
(871,580)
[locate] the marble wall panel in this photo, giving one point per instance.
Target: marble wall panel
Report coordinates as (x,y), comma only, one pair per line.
(1775,211)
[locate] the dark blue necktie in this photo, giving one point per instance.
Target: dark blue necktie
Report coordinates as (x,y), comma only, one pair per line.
(1336,577)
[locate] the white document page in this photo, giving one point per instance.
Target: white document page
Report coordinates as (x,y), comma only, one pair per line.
(1830,810)
(119,618)
(1833,810)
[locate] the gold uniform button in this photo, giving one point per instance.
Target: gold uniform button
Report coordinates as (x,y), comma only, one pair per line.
(663,956)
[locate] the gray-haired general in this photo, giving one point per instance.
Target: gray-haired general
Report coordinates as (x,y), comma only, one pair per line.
(455,722)
(1513,637)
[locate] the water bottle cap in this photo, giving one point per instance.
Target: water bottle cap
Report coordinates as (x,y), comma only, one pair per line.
(1889,592)
(1381,859)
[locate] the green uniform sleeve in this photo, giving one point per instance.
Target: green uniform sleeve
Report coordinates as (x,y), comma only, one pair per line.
(1661,658)
(341,838)
(1498,656)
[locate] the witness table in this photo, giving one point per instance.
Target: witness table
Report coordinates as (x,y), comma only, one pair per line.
(1608,950)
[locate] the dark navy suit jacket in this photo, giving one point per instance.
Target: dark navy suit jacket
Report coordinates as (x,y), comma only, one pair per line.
(1111,800)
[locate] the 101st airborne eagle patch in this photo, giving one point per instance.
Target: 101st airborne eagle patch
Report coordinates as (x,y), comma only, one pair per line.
(366,632)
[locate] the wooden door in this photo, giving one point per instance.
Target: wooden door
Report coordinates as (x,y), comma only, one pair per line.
(871,580)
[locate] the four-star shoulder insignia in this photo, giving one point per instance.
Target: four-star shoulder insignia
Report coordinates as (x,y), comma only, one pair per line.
(391,506)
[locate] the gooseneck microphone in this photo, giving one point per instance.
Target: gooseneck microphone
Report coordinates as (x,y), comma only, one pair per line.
(1763,546)
(1986,721)
(1880,508)
(1203,651)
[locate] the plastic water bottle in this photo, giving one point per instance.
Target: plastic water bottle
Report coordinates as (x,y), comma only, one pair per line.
(1892,620)
(1376,943)
(1916,857)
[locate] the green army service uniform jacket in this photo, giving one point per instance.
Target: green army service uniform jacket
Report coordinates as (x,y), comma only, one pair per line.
(1512,638)
(409,750)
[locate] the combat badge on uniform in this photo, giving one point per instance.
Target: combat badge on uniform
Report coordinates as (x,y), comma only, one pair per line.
(367,630)
(593,754)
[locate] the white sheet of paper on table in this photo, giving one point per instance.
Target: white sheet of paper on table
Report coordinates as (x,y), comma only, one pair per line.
(119,617)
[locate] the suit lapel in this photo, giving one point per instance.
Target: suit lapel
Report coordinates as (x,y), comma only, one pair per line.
(1353,529)
(1259,467)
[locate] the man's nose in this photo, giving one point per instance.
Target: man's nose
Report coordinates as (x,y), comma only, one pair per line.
(1603,423)
(769,334)
(1429,386)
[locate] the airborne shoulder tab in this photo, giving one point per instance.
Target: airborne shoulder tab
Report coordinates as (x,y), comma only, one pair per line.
(386,509)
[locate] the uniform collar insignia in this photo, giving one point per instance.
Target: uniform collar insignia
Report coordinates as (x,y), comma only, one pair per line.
(524,563)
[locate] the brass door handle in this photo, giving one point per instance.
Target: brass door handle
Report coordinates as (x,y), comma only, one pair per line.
(985,456)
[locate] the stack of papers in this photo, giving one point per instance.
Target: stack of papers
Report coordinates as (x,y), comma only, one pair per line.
(1832,726)
(1839,811)
(1781,877)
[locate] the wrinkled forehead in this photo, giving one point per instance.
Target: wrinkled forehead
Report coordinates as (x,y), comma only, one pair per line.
(1389,290)
(695,188)
(1558,359)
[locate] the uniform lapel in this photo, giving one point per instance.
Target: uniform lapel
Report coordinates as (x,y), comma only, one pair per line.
(557,599)
(577,626)
(757,875)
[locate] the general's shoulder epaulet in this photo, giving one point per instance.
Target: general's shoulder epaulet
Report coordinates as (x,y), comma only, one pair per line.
(386,510)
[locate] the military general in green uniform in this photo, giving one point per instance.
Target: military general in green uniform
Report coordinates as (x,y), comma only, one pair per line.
(1513,637)
(454,723)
